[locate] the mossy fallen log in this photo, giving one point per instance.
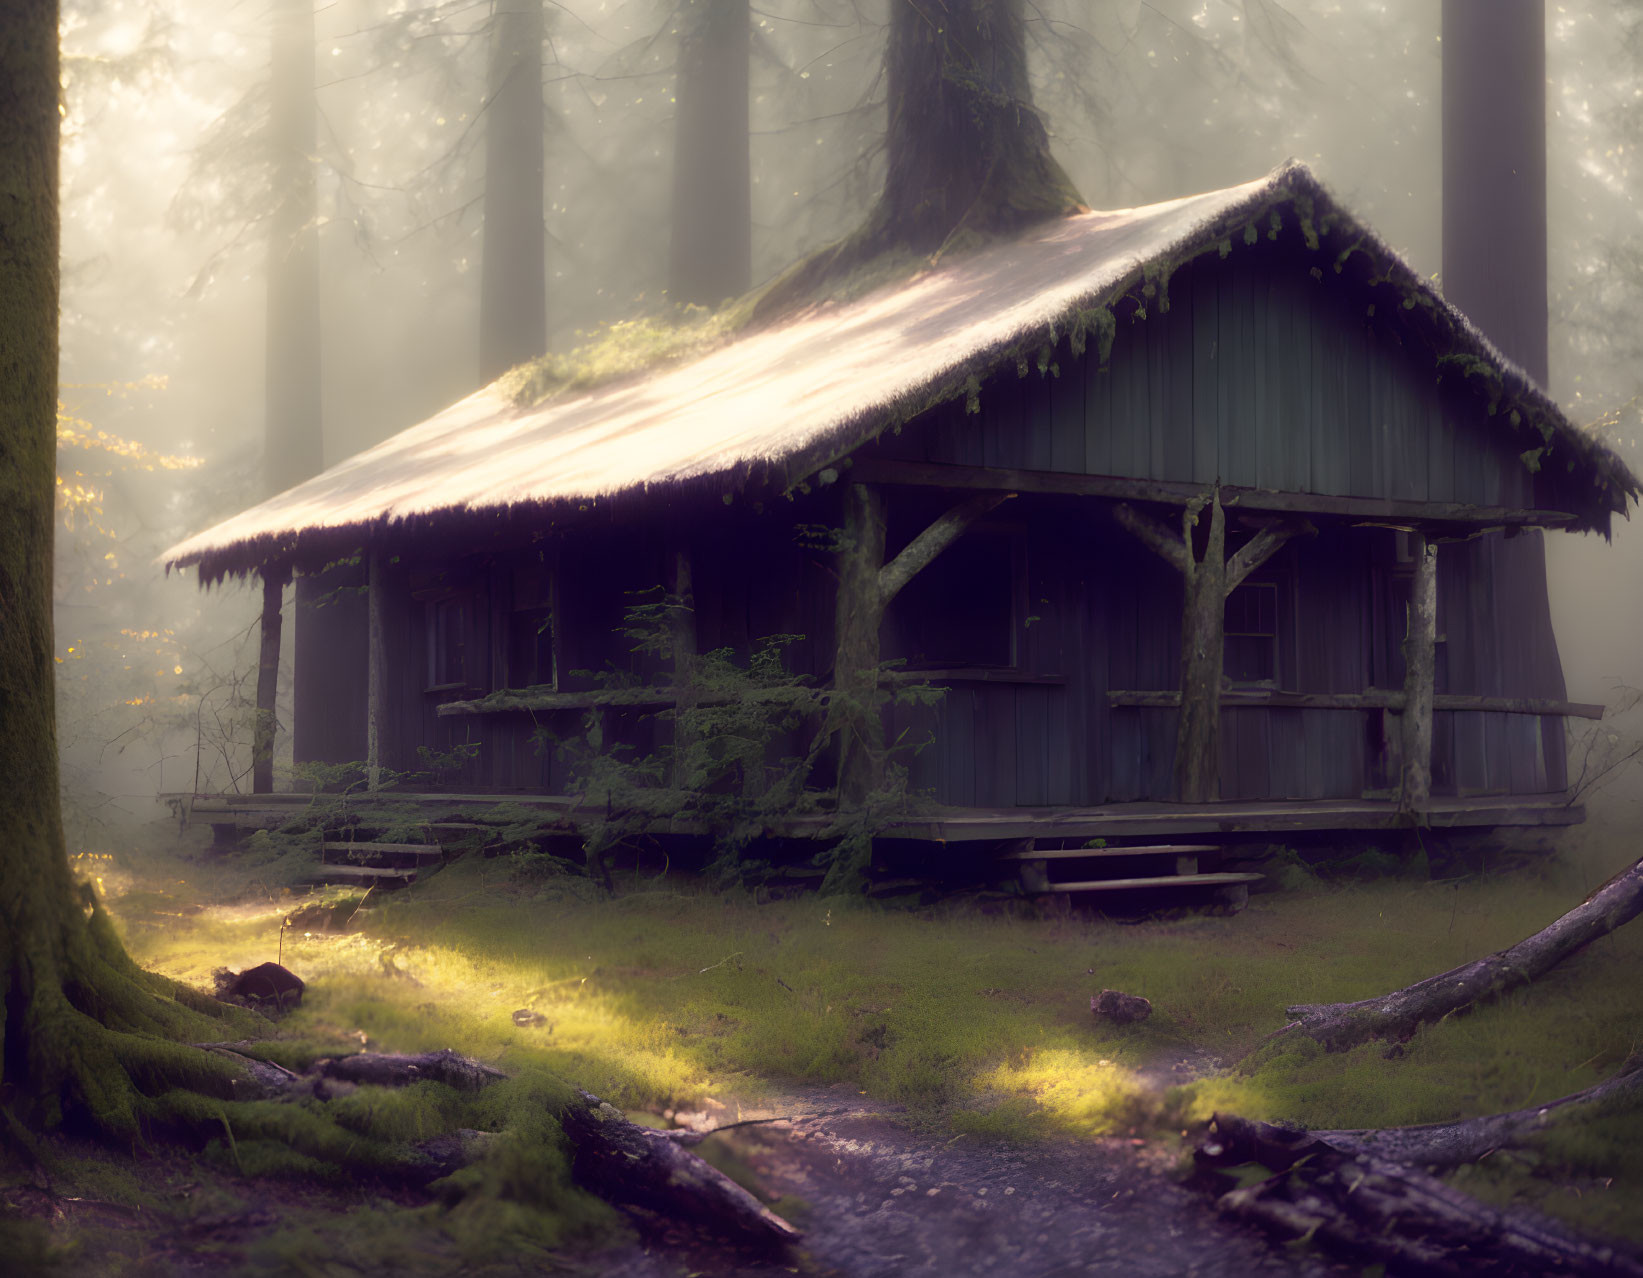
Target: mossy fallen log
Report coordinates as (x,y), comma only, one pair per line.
(1396,1016)
(1370,1209)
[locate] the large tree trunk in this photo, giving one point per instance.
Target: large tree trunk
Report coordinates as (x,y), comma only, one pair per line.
(969,156)
(967,151)
(63,974)
(513,291)
(712,250)
(1339,1026)
(1494,211)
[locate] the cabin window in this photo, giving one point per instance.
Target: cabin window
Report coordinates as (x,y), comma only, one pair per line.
(1251,653)
(450,642)
(964,609)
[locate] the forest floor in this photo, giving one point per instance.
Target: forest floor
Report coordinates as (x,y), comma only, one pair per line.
(945,1101)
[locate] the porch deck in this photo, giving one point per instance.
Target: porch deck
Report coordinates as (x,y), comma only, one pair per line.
(240,813)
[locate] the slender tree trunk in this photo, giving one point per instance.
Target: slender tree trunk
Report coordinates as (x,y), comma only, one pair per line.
(292,449)
(1203,648)
(513,290)
(1420,678)
(268,676)
(712,250)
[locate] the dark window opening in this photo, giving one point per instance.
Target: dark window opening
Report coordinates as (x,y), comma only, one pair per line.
(450,627)
(1251,652)
(962,609)
(532,653)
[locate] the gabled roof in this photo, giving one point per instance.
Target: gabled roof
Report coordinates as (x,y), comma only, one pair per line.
(800,393)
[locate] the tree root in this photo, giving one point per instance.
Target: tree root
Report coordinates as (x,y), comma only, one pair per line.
(1340,1026)
(616,1159)
(1367,1207)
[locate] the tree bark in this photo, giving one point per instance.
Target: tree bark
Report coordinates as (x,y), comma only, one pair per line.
(967,151)
(1368,1208)
(268,677)
(1420,678)
(1339,1026)
(513,307)
(712,248)
(64,977)
(968,154)
(1207,580)
(293,448)
(866,586)
(635,1165)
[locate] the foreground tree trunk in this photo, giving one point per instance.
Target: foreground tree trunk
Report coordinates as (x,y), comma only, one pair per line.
(64,978)
(1339,1026)
(513,306)
(712,249)
(968,154)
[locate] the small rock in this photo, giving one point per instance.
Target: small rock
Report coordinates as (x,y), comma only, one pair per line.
(526,1018)
(260,986)
(1121,1009)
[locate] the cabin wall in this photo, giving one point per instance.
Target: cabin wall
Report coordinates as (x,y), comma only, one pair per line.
(328,666)
(1258,375)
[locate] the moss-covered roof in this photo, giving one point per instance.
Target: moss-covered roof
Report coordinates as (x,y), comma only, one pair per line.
(781,401)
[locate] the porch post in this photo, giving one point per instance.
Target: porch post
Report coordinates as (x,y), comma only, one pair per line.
(854,713)
(274,577)
(376,667)
(866,586)
(1420,676)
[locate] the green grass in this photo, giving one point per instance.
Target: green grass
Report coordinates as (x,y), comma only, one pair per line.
(982,1024)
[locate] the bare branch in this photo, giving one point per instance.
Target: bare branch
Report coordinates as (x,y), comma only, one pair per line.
(1156,537)
(922,550)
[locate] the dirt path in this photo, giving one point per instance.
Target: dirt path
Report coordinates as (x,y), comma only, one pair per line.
(884,1201)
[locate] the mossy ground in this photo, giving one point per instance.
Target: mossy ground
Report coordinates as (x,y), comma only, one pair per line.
(667,993)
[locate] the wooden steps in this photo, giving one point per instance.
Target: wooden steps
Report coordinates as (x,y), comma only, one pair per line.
(383,865)
(1218,879)
(382,876)
(1149,867)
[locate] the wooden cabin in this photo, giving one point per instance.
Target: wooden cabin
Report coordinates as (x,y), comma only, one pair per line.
(1208,516)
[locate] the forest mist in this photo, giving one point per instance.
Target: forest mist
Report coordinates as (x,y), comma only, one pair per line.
(166,174)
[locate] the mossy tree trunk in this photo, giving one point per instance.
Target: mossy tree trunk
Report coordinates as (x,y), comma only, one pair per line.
(77,1017)
(513,306)
(967,150)
(866,586)
(1208,576)
(1420,679)
(968,154)
(712,249)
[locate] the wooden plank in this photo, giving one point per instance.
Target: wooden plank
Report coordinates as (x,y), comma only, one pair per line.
(1123,488)
(1331,470)
(1066,408)
(1074,854)
(368,848)
(1206,448)
(1357,421)
(1030,731)
(1128,425)
(380,875)
(1375,699)
(1098,428)
(1159,881)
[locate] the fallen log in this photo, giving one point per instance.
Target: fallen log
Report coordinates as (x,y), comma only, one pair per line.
(617,1159)
(641,1167)
(1396,1016)
(1444,1145)
(1369,1208)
